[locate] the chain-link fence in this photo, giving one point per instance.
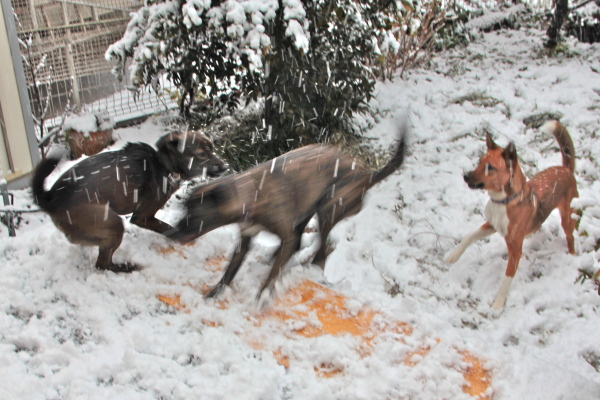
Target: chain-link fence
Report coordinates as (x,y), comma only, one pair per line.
(63,44)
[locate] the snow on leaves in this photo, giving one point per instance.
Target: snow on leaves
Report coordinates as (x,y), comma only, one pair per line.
(296,53)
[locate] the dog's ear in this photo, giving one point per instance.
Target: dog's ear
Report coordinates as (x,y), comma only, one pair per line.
(491,145)
(510,154)
(168,142)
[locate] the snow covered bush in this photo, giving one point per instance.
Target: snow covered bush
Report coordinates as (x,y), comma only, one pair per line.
(312,61)
(414,29)
(312,93)
(203,47)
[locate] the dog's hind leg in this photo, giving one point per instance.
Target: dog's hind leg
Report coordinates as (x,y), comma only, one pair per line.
(283,254)
(345,202)
(324,248)
(567,222)
(95,225)
(327,220)
(108,235)
(329,215)
(233,267)
(484,231)
(299,230)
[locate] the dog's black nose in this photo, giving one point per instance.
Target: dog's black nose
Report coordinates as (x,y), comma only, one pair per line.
(473,184)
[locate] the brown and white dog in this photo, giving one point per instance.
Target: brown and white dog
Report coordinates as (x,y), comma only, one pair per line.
(86,201)
(281,196)
(518,207)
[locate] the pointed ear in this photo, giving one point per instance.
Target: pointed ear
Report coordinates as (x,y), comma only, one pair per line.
(510,154)
(168,140)
(491,145)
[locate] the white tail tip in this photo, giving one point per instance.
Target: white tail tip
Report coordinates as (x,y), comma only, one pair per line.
(549,127)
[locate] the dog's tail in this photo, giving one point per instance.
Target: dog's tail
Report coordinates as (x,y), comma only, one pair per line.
(397,159)
(43,198)
(564,142)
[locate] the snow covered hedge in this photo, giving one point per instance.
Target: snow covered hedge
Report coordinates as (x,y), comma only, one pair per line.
(314,61)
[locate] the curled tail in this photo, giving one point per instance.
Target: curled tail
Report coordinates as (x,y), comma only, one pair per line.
(564,142)
(397,159)
(43,198)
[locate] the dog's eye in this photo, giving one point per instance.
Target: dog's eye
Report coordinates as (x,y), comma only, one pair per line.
(489,167)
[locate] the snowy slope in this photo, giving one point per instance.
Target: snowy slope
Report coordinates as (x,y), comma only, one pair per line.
(69,332)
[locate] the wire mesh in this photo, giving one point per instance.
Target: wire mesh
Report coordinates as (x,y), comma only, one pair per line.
(63,44)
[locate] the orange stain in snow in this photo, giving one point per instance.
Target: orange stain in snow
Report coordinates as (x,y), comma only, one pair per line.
(308,299)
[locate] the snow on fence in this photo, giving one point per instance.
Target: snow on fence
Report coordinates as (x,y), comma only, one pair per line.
(67,40)
(71,37)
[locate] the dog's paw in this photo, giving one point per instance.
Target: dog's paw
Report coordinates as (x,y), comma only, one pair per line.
(264,298)
(498,306)
(499,303)
(453,257)
(215,291)
(122,268)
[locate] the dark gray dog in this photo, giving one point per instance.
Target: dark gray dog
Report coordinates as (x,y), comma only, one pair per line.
(281,196)
(86,201)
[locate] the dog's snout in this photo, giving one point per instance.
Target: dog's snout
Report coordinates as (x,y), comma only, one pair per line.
(217,167)
(473,181)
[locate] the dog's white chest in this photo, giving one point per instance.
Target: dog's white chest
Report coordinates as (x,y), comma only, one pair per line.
(496,215)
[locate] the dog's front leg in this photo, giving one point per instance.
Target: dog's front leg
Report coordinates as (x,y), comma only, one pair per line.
(484,231)
(233,267)
(515,249)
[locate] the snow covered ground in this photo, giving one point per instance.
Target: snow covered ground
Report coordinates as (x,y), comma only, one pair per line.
(70,332)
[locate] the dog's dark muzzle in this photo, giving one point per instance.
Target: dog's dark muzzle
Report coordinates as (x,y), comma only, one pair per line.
(472,183)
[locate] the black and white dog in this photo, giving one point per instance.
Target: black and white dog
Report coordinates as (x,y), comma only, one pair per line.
(86,201)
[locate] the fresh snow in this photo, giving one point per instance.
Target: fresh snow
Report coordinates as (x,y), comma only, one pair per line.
(491,18)
(70,332)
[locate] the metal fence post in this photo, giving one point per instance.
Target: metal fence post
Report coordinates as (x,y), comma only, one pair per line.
(9,216)
(73,73)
